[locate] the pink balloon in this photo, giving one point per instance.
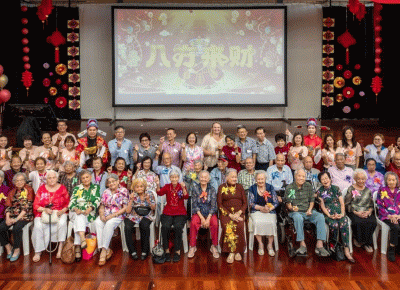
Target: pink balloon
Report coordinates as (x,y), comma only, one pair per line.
(5,95)
(1,69)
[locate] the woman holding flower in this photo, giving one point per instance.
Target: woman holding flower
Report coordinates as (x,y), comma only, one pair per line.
(375,179)
(359,207)
(232,204)
(388,201)
(332,205)
(263,201)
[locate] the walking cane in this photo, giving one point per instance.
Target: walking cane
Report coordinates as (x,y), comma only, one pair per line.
(50,206)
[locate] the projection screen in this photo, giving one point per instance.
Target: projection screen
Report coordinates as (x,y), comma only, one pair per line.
(184,57)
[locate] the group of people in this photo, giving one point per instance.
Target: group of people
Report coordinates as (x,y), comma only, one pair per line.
(227,184)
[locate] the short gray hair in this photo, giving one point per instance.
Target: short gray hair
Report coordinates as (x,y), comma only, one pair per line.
(198,161)
(339,154)
(111,176)
(298,170)
(229,171)
(174,172)
(391,173)
(2,173)
(69,162)
(260,172)
(52,172)
(204,172)
(83,172)
(359,171)
(18,175)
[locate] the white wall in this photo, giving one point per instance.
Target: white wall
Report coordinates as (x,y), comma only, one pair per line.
(304,71)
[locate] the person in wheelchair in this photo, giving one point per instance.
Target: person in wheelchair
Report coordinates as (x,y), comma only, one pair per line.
(299,198)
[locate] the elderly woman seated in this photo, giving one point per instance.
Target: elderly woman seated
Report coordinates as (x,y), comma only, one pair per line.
(140,210)
(18,214)
(263,201)
(300,203)
(204,213)
(50,205)
(359,208)
(85,200)
(174,213)
(332,205)
(389,211)
(232,204)
(112,208)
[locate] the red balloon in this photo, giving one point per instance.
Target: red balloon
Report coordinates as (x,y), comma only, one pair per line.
(24,21)
(25,41)
(25,58)
(27,66)
(377,70)
(25,31)
(5,95)
(24,8)
(26,49)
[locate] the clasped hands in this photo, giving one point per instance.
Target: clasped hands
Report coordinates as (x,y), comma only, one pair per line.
(235,217)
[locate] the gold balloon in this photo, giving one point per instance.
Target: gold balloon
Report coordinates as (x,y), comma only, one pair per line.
(3,81)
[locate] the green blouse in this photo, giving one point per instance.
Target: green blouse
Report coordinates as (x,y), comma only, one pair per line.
(82,199)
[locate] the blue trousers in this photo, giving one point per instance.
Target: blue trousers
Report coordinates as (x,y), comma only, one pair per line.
(316,218)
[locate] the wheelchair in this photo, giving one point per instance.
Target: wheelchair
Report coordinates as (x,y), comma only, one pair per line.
(286,229)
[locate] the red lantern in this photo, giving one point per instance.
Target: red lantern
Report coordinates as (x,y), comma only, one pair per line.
(377,70)
(24,21)
(347,40)
(25,41)
(24,8)
(25,58)
(25,31)
(27,80)
(56,39)
(58,81)
(44,10)
(376,86)
(26,49)
(27,66)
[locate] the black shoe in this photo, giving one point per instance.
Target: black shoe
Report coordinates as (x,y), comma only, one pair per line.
(144,256)
(167,257)
(177,257)
(391,254)
(134,256)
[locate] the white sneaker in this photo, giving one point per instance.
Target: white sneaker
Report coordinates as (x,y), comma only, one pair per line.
(261,252)
(271,252)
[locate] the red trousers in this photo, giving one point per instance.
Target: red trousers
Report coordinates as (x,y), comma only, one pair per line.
(195,225)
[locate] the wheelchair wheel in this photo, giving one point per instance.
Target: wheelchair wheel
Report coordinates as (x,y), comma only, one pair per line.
(291,250)
(281,233)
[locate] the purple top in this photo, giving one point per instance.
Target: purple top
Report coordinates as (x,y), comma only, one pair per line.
(374,183)
(388,202)
(4,189)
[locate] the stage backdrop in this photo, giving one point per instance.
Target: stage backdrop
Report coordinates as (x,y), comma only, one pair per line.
(184,56)
(304,71)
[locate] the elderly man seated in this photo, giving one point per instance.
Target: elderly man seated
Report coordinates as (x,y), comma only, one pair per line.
(342,175)
(300,199)
(217,175)
(246,177)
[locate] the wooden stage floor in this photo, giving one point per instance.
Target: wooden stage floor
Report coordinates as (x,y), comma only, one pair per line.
(372,271)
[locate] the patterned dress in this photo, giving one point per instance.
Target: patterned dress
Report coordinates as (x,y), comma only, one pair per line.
(375,182)
(82,199)
(388,202)
(113,202)
(137,201)
(191,155)
(123,178)
(19,200)
(150,178)
(69,183)
(232,198)
(340,227)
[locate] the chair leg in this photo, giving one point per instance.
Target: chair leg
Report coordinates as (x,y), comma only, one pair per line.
(384,240)
(276,242)
(123,240)
(25,238)
(375,238)
(70,226)
(152,235)
(185,240)
(251,241)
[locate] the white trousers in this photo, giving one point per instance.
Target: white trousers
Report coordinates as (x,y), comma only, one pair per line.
(79,224)
(105,231)
(41,233)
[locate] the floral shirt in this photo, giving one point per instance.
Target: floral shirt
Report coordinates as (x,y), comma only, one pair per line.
(210,144)
(4,189)
(113,202)
(358,200)
(350,153)
(137,201)
(41,151)
(374,183)
(174,150)
(330,196)
(388,202)
(204,201)
(150,178)
(123,178)
(191,180)
(69,183)
(294,152)
(19,200)
(59,199)
(82,199)
(191,155)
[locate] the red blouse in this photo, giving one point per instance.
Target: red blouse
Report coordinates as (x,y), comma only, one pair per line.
(59,199)
(175,199)
(231,156)
(314,142)
(284,150)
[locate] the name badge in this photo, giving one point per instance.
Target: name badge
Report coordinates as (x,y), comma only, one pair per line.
(140,154)
(126,151)
(249,151)
(175,150)
(233,153)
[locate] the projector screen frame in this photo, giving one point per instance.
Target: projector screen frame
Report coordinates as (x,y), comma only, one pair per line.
(198,7)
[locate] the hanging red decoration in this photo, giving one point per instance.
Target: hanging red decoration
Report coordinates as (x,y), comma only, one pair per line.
(357,8)
(353,6)
(26,49)
(44,10)
(376,84)
(27,80)
(24,8)
(56,39)
(346,40)
(27,66)
(61,102)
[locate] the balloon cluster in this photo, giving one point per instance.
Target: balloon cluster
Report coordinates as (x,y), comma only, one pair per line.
(5,95)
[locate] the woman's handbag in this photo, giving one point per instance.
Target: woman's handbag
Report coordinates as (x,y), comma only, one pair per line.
(158,254)
(337,250)
(142,210)
(45,218)
(68,251)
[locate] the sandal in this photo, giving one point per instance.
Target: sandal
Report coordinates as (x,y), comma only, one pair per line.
(271,251)
(83,244)
(322,252)
(238,257)
(192,250)
(36,258)
(302,250)
(78,254)
(109,254)
(214,251)
(369,249)
(230,258)
(102,258)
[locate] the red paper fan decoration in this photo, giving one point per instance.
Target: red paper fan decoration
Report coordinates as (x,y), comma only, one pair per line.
(46,82)
(347,74)
(56,39)
(346,40)
(61,102)
(348,92)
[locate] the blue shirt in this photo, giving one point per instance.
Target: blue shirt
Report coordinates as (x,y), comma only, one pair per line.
(275,177)
(125,151)
(248,147)
(217,178)
(265,151)
(164,171)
